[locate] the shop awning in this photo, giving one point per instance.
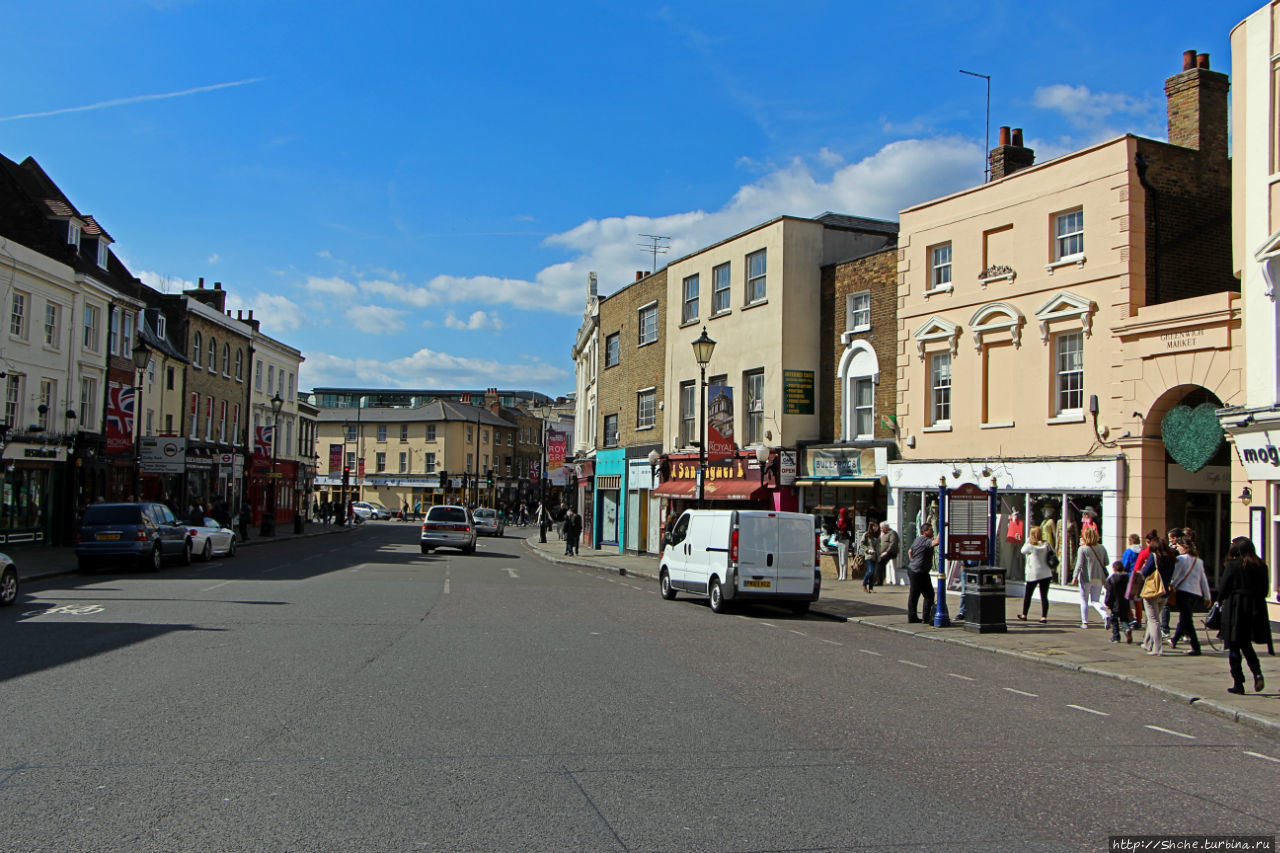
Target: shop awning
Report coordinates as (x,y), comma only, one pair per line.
(716,490)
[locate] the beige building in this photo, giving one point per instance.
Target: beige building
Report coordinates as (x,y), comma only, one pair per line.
(1066,328)
(1254,423)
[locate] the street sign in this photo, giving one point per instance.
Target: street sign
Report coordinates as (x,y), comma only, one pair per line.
(968,508)
(163,454)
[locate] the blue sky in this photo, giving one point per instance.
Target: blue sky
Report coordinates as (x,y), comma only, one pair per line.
(413,193)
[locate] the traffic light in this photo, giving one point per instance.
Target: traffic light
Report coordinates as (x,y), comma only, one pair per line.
(489,473)
(346,476)
(444,479)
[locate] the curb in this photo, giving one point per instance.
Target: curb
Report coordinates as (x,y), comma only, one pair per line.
(1212,706)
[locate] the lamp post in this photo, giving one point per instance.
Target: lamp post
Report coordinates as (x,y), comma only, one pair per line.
(141,358)
(269,518)
(702,349)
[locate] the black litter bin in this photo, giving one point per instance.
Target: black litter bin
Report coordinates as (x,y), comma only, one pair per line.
(984,600)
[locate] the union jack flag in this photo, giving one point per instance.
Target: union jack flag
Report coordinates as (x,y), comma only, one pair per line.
(263,437)
(120,402)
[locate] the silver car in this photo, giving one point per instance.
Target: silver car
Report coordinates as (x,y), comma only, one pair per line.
(448,527)
(488,522)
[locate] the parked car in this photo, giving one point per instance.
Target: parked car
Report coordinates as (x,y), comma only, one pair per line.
(742,555)
(370,509)
(380,511)
(449,527)
(145,533)
(489,522)
(8,581)
(211,539)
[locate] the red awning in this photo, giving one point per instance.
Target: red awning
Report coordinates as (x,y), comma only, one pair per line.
(716,490)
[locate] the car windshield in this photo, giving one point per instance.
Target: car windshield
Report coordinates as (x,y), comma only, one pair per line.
(112,515)
(447,513)
(485,513)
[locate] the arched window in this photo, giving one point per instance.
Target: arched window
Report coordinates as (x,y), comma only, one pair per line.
(213,355)
(196,350)
(239,364)
(859,376)
(226,359)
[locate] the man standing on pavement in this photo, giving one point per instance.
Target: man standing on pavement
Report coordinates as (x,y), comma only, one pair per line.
(572,529)
(919,563)
(889,543)
(544,521)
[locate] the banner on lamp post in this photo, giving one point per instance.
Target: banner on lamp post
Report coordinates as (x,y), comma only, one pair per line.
(720,443)
(335,458)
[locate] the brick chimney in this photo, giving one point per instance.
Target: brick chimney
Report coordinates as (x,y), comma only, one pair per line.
(1010,155)
(1198,106)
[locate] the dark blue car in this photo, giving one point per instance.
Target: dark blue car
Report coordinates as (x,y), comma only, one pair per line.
(143,533)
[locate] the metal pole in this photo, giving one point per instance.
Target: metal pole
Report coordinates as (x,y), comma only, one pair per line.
(702,439)
(986,168)
(940,617)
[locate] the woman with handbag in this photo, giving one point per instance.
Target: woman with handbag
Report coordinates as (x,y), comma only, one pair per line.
(1244,618)
(869,547)
(1090,570)
(1192,588)
(844,536)
(1038,573)
(1158,572)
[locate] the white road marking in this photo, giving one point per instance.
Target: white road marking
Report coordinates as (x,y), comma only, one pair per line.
(1088,710)
(912,663)
(1263,757)
(446,586)
(832,643)
(869,652)
(512,572)
(1022,692)
(216,585)
(794,631)
(1171,732)
(964,677)
(767,624)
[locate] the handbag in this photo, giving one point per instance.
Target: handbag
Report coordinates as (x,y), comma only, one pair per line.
(1213,619)
(859,563)
(1153,587)
(1051,558)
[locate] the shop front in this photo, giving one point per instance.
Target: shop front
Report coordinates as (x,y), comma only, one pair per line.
(838,476)
(610,514)
(642,530)
(734,482)
(33,474)
(1257,447)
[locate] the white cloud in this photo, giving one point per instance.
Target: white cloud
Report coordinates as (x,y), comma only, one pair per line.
(477,320)
(418,297)
(1092,113)
(164,283)
(827,157)
(375,319)
(427,369)
(332,286)
(213,259)
(275,313)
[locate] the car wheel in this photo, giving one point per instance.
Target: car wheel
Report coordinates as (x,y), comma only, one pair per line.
(664,585)
(8,586)
(157,559)
(231,547)
(186,553)
(207,553)
(426,550)
(470,549)
(718,604)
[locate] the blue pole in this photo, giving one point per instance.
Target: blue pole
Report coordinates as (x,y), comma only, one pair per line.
(993,502)
(940,617)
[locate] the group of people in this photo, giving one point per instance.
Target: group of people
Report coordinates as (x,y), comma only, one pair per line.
(873,551)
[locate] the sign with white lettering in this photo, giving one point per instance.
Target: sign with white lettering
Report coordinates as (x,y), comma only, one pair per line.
(163,454)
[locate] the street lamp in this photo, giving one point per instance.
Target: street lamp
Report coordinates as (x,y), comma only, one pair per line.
(141,358)
(269,520)
(702,349)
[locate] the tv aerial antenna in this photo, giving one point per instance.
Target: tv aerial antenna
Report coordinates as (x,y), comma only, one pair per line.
(656,246)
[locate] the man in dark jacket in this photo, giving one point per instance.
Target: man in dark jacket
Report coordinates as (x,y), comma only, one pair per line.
(919,564)
(572,530)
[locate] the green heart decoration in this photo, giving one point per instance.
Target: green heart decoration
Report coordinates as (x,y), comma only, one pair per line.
(1192,436)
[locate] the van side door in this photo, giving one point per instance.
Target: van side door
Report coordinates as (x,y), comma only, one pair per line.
(757,552)
(676,553)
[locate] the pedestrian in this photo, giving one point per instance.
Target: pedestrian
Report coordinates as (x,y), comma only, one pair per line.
(1243,594)
(844,537)
(1116,598)
(1192,592)
(1090,571)
(890,541)
(1158,572)
(571,528)
(1038,573)
(544,521)
(245,517)
(919,564)
(1136,580)
(870,547)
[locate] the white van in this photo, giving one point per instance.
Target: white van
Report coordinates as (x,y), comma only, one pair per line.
(742,555)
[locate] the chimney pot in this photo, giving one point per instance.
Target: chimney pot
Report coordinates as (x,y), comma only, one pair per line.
(239,314)
(1188,60)
(1017,137)
(217,285)
(1004,134)
(639,274)
(1202,60)
(250,313)
(201,283)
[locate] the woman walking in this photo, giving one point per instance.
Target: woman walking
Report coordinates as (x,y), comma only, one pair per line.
(870,548)
(844,537)
(1243,594)
(1090,570)
(1038,573)
(1192,588)
(1158,572)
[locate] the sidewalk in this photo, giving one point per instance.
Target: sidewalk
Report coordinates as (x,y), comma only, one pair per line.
(37,561)
(1201,681)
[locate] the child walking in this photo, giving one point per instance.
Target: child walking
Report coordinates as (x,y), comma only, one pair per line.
(1116,599)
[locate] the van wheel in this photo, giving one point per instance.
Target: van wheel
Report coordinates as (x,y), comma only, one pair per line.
(664,585)
(718,604)
(800,608)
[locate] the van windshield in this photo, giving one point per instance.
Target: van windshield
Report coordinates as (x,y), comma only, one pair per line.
(112,515)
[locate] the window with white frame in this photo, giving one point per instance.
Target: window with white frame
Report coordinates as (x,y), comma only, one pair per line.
(12,399)
(858,311)
(257,376)
(753,382)
(1068,231)
(226,359)
(382,432)
(213,354)
(648,324)
(52,323)
(863,407)
(756,264)
(18,314)
(88,394)
(162,326)
(612,349)
(404,463)
(102,253)
(646,407)
(1069,373)
(940,267)
(688,411)
(610,430)
(73,234)
(431,463)
(48,393)
(404,433)
(939,388)
(288,390)
(351,461)
(431,432)
(271,378)
(689,312)
(197,349)
(720,288)
(126,333)
(239,364)
(195,415)
(380,462)
(351,432)
(92,315)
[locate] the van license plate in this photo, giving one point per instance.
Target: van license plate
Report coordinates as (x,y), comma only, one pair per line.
(103,536)
(756,584)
